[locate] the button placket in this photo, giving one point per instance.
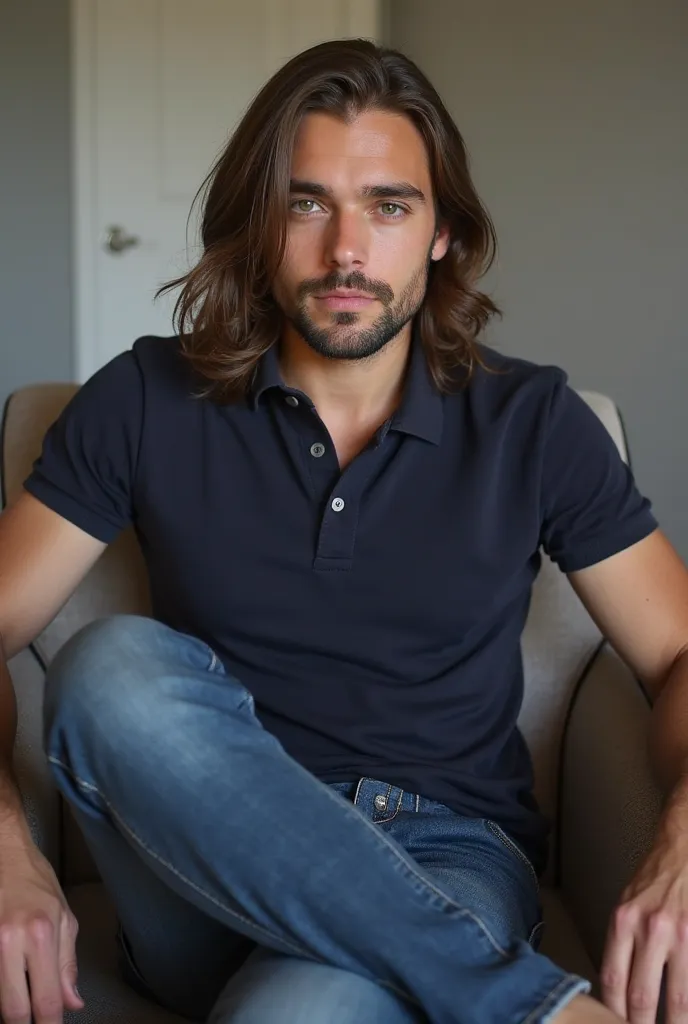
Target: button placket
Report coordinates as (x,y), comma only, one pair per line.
(338,528)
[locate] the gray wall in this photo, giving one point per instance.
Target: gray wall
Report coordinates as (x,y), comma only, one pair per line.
(35,206)
(576,117)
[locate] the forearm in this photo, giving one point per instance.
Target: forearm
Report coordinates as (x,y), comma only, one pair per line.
(13,825)
(668,741)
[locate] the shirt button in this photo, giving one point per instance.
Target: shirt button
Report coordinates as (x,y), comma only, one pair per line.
(292,400)
(380,803)
(317,450)
(337,504)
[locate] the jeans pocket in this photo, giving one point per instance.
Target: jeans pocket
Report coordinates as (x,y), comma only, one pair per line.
(507,841)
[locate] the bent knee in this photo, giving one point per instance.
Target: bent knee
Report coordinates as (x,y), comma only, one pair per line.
(271,989)
(110,670)
(106,642)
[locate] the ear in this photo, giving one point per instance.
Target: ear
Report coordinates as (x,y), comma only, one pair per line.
(441,243)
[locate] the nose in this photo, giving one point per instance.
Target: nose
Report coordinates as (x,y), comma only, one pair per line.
(347,241)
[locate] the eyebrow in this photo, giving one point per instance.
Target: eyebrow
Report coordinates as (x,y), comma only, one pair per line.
(392,190)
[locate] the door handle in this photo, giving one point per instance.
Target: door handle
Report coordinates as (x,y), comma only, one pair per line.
(117,239)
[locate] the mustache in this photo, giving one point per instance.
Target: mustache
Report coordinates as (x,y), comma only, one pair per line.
(355,280)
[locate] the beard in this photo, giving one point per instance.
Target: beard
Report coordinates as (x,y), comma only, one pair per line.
(343,339)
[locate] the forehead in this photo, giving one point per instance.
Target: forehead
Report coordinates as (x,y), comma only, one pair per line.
(375,147)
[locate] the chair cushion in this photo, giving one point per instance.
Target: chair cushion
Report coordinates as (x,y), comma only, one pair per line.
(110,1001)
(561,941)
(558,642)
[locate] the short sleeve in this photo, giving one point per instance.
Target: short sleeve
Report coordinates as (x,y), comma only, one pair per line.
(591,507)
(88,463)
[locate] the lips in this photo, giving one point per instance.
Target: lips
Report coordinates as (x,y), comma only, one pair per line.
(342,301)
(345,295)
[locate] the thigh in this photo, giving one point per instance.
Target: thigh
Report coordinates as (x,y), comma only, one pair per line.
(272,988)
(476,864)
(168,950)
(472,861)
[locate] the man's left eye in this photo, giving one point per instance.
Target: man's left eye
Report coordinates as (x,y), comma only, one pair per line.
(391,209)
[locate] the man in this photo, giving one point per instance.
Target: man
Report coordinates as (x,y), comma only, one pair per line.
(302,780)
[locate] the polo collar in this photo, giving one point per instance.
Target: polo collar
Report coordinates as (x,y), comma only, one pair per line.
(420,413)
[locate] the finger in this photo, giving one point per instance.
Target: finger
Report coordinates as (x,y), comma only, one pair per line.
(650,955)
(68,963)
(44,976)
(15,1004)
(677,984)
(617,959)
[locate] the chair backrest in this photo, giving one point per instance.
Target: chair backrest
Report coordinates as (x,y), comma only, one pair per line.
(558,641)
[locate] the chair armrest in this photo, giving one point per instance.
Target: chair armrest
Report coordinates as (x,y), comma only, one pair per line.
(41,798)
(610,803)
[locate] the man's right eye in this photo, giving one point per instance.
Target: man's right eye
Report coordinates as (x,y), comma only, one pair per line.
(304,206)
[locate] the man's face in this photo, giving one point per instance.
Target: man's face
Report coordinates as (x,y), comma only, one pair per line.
(361,232)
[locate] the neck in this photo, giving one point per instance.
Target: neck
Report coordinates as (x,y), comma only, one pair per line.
(359,393)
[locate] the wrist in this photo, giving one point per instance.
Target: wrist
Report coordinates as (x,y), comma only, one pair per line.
(15,834)
(673,824)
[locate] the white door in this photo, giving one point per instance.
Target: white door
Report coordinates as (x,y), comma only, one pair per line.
(158,87)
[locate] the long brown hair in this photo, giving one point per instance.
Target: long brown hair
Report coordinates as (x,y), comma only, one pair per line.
(225,313)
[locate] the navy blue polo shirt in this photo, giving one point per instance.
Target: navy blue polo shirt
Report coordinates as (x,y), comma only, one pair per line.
(375,613)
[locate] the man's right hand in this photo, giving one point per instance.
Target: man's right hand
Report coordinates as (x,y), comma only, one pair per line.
(43,557)
(38,968)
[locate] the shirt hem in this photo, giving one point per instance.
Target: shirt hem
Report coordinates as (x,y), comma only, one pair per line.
(69,509)
(598,550)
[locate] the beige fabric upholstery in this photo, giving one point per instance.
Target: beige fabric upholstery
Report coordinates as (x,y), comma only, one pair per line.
(559,641)
(561,941)
(610,803)
(41,799)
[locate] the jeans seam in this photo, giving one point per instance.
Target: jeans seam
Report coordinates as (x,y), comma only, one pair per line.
(550,999)
(123,946)
(358,790)
(381,837)
(500,834)
(535,936)
(298,951)
(383,821)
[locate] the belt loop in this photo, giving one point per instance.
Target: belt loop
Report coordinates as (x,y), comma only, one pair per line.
(358,790)
(417,802)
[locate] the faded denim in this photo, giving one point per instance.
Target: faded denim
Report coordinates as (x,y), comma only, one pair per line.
(366,903)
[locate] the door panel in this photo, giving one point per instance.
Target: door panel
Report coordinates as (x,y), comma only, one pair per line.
(162,83)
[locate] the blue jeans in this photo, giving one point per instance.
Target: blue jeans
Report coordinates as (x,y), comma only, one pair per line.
(252,892)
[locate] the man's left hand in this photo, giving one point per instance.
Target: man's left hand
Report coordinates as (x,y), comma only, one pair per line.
(648,932)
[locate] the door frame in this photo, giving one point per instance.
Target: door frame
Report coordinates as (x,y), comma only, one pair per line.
(85,227)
